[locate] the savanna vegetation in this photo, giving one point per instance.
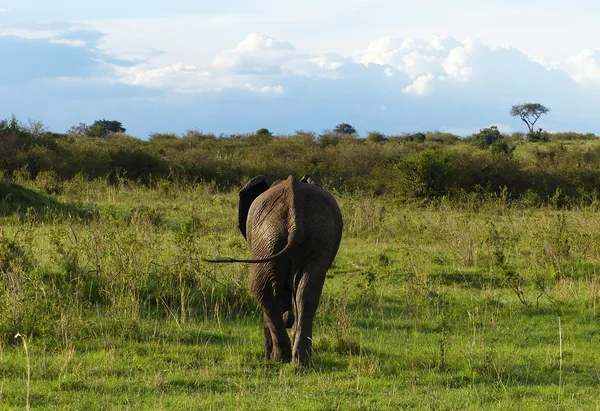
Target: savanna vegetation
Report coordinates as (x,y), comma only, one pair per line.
(467,278)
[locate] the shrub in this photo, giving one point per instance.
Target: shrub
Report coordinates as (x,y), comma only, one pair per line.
(486,137)
(376,137)
(428,174)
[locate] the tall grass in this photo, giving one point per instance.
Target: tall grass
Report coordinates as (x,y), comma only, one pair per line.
(441,304)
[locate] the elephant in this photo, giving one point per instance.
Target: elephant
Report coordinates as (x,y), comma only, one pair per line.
(293,229)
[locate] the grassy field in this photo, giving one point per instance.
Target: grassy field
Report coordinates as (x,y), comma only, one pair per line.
(479,304)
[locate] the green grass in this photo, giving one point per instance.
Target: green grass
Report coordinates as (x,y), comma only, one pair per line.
(445,306)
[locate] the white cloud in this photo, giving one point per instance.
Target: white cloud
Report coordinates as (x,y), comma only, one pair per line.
(276,90)
(315,66)
(327,61)
(272,90)
(433,82)
(416,64)
(423,60)
(3,10)
(28,33)
(256,60)
(255,42)
(73,43)
(456,64)
(386,50)
(585,66)
(421,86)
(256,54)
(399,52)
(176,76)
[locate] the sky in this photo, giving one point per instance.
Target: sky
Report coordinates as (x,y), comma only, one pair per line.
(233,66)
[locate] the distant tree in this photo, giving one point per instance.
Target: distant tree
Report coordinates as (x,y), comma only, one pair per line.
(105,127)
(329,138)
(501,146)
(163,137)
(441,137)
(538,136)
(344,128)
(261,137)
(418,137)
(98,129)
(308,137)
(529,113)
(376,137)
(486,137)
(264,132)
(13,137)
(429,173)
(80,130)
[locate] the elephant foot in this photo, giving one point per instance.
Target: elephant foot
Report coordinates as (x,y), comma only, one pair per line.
(288,319)
(302,359)
(302,352)
(284,355)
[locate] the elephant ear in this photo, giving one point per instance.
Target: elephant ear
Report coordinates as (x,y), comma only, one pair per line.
(248,194)
(310,179)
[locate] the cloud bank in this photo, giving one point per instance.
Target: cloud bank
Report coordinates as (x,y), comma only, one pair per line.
(392,85)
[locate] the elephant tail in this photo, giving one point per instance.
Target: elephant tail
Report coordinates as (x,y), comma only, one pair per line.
(286,250)
(295,234)
(274,257)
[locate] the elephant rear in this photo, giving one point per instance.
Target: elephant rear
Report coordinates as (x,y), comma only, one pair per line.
(293,229)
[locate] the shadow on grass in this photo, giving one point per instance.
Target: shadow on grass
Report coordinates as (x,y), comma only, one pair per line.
(16,199)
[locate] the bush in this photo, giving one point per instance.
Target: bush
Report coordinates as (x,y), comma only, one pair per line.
(376,137)
(440,137)
(428,174)
(329,139)
(486,137)
(538,136)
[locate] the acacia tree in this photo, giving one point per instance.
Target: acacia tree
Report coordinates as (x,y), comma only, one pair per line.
(102,128)
(99,129)
(529,113)
(344,128)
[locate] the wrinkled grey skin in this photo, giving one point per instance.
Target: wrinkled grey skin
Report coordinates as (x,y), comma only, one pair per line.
(293,229)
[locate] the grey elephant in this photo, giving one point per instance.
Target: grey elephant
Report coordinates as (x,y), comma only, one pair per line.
(293,229)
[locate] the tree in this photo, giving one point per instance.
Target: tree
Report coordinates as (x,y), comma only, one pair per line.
(329,138)
(529,113)
(102,128)
(79,130)
(261,137)
(487,136)
(538,136)
(430,173)
(344,128)
(418,137)
(98,129)
(376,137)
(264,132)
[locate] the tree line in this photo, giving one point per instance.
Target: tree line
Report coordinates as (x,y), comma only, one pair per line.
(543,167)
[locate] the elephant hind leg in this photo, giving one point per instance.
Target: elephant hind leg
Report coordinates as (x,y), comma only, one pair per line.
(278,346)
(308,293)
(269,295)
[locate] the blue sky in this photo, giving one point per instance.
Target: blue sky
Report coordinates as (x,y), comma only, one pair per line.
(237,66)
